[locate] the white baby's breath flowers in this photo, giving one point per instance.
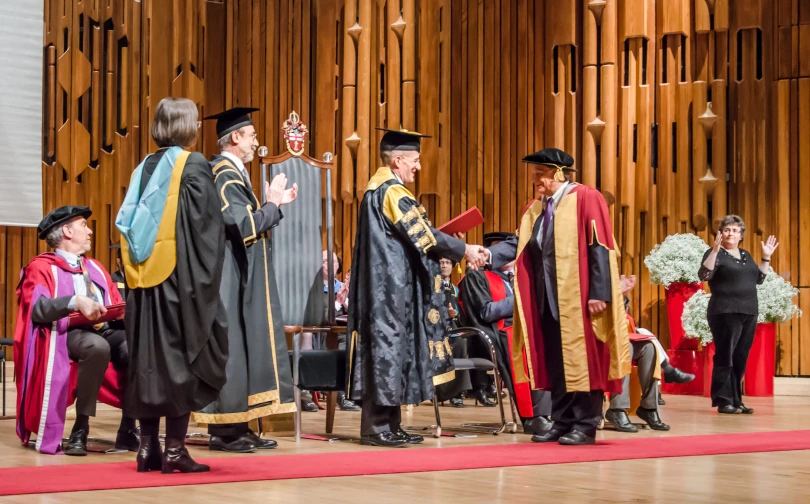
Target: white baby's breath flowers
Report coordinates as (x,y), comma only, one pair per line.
(694,319)
(775,297)
(677,259)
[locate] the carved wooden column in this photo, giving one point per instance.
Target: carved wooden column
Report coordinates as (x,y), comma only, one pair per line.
(561,86)
(599,102)
(672,111)
(709,115)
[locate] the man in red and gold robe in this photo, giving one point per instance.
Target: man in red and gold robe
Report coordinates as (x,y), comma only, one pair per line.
(569,315)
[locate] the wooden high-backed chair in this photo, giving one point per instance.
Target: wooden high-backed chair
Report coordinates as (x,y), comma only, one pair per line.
(297,254)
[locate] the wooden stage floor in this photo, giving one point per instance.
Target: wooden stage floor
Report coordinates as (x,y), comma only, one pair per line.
(755,477)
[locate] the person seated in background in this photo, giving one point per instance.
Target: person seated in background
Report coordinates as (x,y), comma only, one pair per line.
(650,360)
(455,389)
(488,302)
(310,341)
(51,287)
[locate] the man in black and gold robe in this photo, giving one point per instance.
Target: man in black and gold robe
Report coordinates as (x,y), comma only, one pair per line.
(397,312)
(258,370)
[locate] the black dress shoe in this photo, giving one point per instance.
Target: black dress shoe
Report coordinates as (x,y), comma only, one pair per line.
(620,420)
(345,404)
(536,425)
(727,410)
(457,402)
(387,438)
(241,444)
(150,456)
(481,398)
(129,440)
(651,418)
(746,411)
(577,438)
(551,435)
(675,375)
(661,401)
(76,444)
(409,438)
(492,391)
(307,405)
(176,458)
(261,444)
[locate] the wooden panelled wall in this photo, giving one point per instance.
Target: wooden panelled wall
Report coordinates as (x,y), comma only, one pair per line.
(680,111)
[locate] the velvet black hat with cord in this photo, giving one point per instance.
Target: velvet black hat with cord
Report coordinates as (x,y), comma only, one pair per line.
(492,238)
(59,216)
(401,140)
(553,158)
(231,120)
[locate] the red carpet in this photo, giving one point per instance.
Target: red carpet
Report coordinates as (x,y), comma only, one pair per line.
(109,476)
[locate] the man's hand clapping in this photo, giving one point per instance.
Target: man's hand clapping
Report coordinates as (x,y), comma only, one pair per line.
(276,192)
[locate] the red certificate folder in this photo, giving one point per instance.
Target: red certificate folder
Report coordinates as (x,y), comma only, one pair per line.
(464,222)
(114,312)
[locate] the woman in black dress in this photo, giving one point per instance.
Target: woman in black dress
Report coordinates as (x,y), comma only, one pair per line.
(733,277)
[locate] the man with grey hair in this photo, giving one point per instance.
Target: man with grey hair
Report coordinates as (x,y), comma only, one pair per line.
(259,379)
(52,286)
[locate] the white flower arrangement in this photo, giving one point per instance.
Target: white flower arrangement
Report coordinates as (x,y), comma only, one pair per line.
(775,297)
(695,320)
(677,259)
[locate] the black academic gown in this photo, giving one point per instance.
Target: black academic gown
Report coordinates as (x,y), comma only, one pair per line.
(397,315)
(259,377)
(177,331)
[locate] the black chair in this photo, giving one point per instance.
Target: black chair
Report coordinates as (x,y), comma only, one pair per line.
(297,253)
(476,364)
(4,342)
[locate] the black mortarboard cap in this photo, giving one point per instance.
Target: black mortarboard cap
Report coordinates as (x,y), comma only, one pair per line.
(552,157)
(491,238)
(231,120)
(60,216)
(402,140)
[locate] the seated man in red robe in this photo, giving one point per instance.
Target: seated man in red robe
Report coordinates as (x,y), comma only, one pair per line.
(52,286)
(488,301)
(651,363)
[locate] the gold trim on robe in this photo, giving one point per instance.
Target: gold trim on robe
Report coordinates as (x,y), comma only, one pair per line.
(243,416)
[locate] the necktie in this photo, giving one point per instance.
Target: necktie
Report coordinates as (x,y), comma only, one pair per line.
(246,175)
(547,218)
(91,289)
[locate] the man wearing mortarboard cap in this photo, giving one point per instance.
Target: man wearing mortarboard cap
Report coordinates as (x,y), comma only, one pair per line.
(259,380)
(571,320)
(487,300)
(397,311)
(56,363)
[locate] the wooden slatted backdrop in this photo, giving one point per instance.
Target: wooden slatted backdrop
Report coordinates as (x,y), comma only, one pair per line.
(723,85)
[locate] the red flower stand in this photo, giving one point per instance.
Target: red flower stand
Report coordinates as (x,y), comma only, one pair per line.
(698,362)
(676,295)
(761,362)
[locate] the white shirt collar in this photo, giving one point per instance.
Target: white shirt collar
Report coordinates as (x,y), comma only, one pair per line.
(236,161)
(398,177)
(71,259)
(559,192)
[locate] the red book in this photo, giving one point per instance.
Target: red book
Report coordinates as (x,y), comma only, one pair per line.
(464,222)
(114,312)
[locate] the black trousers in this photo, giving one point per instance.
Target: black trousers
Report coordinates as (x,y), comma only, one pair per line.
(733,335)
(581,411)
(376,419)
(94,350)
(228,430)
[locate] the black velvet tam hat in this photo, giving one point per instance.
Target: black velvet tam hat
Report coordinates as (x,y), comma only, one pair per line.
(401,140)
(232,119)
(552,157)
(492,238)
(60,216)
